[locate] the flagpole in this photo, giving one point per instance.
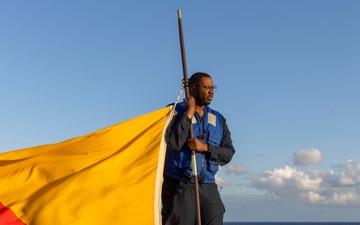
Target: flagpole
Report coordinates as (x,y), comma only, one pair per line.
(187,94)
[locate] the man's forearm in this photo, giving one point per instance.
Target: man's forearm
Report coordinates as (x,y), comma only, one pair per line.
(178,132)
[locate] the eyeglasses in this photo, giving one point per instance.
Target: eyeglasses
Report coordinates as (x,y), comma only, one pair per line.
(208,87)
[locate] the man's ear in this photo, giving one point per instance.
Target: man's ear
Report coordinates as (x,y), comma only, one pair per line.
(192,90)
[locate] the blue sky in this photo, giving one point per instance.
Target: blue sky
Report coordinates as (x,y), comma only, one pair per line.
(287,74)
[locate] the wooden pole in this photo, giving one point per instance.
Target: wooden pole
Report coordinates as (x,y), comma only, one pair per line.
(187,93)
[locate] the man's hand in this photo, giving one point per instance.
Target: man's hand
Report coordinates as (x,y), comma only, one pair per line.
(190,106)
(197,145)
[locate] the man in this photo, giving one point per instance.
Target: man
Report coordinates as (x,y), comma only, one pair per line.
(213,145)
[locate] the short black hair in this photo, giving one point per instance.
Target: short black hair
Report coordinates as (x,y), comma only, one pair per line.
(196,78)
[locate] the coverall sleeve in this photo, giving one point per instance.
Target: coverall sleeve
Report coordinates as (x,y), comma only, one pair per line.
(177,132)
(223,153)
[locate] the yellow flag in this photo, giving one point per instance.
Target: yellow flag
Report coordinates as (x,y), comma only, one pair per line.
(111,176)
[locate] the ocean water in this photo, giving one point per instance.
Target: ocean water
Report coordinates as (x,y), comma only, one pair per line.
(291,223)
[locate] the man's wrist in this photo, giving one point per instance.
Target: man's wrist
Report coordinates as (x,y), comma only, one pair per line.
(189,119)
(208,149)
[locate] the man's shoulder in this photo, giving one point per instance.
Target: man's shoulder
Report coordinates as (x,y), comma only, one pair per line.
(179,107)
(209,109)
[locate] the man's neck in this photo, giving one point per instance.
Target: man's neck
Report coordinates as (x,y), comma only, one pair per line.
(199,110)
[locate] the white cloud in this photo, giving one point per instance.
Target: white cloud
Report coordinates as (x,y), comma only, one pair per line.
(307,157)
(221,182)
(230,169)
(237,170)
(338,187)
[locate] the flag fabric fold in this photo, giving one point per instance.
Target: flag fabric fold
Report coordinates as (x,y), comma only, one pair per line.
(111,176)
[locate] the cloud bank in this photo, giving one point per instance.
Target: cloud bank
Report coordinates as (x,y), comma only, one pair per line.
(339,186)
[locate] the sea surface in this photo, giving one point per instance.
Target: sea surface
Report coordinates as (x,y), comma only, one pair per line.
(291,223)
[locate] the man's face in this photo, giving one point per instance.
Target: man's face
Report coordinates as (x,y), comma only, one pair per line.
(204,91)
